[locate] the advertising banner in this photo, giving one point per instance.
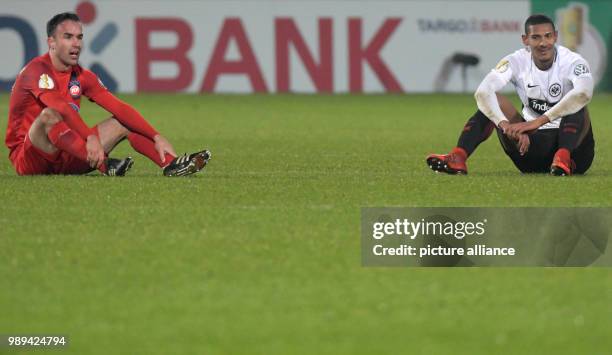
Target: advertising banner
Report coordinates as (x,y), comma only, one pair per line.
(275,46)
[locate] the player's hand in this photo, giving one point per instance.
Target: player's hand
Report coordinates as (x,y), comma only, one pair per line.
(502,125)
(509,129)
(95,151)
(514,130)
(163,146)
(523,143)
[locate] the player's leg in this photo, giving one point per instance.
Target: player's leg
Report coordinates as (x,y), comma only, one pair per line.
(476,130)
(111,133)
(171,165)
(543,144)
(39,130)
(146,147)
(545,149)
(49,133)
(576,144)
(563,151)
(584,154)
(29,159)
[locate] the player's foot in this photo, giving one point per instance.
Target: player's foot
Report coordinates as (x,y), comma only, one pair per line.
(187,164)
(452,163)
(118,167)
(562,164)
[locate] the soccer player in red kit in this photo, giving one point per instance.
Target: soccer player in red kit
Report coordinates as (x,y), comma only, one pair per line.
(46,134)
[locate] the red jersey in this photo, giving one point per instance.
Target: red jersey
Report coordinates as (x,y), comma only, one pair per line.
(40,85)
(37,78)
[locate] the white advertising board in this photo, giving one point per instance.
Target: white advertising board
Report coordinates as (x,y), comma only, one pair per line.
(276,46)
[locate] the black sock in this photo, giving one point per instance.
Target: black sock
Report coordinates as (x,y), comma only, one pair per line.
(572,129)
(477,129)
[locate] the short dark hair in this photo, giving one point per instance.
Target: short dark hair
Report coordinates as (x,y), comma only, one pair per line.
(538,19)
(59,18)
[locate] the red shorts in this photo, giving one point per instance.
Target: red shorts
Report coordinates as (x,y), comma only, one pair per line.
(29,160)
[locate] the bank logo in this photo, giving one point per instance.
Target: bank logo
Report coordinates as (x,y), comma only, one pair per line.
(468,25)
(87,12)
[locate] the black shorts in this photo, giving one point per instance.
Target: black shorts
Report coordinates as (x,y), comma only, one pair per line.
(543,145)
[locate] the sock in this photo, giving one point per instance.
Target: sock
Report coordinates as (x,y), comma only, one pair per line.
(146,147)
(67,140)
(571,129)
(477,129)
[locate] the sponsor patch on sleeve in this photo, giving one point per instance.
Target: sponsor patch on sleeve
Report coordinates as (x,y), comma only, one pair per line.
(502,66)
(580,69)
(45,82)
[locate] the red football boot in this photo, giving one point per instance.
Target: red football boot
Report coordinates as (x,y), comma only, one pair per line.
(562,164)
(452,163)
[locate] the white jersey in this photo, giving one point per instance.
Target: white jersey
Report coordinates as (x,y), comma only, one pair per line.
(540,90)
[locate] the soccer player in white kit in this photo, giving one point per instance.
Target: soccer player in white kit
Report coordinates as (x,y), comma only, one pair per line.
(554,132)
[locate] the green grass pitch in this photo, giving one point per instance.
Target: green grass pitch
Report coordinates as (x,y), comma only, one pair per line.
(260,254)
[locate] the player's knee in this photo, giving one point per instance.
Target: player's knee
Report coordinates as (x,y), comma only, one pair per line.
(120,129)
(49,117)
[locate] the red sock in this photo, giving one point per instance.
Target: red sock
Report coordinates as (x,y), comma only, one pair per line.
(146,147)
(460,152)
(65,139)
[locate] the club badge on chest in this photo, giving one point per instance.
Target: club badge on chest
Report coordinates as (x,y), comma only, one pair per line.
(75,89)
(555,90)
(74,86)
